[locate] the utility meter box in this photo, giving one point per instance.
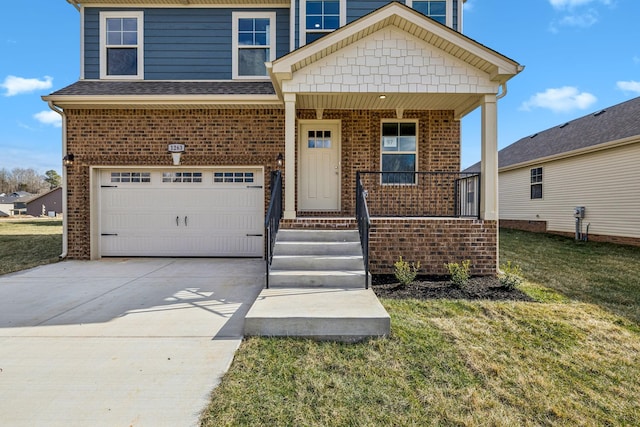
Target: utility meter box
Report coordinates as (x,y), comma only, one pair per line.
(578,212)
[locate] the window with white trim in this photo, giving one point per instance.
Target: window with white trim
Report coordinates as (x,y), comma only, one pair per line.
(121,45)
(184,177)
(434,9)
(399,151)
(320,17)
(254,36)
(536,183)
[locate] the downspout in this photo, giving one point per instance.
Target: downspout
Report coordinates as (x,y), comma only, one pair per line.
(503,92)
(65,221)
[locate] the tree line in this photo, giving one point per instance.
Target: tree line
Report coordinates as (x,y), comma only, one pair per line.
(29,180)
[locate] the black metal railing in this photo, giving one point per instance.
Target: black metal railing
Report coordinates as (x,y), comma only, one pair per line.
(272,219)
(364,224)
(421,194)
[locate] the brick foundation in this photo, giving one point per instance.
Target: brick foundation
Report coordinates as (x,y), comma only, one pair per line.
(535,226)
(541,227)
(434,242)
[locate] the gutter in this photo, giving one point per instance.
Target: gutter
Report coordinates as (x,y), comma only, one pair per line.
(65,221)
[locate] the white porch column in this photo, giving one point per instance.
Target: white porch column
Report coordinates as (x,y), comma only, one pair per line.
(289,155)
(489,165)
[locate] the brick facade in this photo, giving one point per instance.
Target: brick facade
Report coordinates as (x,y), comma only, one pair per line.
(434,242)
(224,137)
(227,137)
(516,224)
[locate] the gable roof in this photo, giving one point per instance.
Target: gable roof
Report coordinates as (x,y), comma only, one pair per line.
(457,55)
(617,124)
(46,193)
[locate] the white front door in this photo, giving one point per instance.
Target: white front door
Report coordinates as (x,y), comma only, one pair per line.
(319,169)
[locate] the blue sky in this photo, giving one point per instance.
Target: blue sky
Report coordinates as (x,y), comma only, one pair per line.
(580,56)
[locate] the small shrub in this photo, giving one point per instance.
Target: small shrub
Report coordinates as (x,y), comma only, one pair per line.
(510,275)
(405,272)
(459,272)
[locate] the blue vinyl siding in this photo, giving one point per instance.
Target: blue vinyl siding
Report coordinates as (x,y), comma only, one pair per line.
(357,9)
(182,44)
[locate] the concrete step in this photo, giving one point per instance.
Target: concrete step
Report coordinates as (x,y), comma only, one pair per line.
(295,235)
(317,262)
(347,315)
(316,248)
(317,278)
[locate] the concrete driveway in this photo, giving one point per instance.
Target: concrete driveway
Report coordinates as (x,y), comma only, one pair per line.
(120,342)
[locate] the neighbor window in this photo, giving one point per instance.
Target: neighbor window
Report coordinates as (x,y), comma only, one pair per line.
(320,17)
(121,45)
(436,10)
(399,152)
(536,183)
(254,35)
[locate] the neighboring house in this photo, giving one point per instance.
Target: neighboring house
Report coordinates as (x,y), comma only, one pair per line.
(14,203)
(46,204)
(334,87)
(589,162)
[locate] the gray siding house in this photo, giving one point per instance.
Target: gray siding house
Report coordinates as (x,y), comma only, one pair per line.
(187,113)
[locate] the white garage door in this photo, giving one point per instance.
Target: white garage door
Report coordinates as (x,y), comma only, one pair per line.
(182,212)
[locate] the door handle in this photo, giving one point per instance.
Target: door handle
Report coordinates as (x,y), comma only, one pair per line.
(177,221)
(186,221)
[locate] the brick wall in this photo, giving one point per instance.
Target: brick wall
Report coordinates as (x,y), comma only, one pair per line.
(438,147)
(434,242)
(231,137)
(140,137)
(535,226)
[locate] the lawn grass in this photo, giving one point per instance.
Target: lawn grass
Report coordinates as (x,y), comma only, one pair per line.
(569,358)
(29,243)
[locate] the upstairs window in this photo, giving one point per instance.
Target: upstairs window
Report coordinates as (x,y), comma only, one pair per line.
(399,152)
(436,10)
(254,35)
(121,45)
(320,17)
(536,183)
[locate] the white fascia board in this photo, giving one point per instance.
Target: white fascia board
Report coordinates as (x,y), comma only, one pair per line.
(130,100)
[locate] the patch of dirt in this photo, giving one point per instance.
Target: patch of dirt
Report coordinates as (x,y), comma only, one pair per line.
(478,288)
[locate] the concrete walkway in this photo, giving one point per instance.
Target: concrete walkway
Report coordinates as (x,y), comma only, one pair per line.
(120,342)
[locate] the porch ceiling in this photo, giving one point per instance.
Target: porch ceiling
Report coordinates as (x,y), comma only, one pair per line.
(461,104)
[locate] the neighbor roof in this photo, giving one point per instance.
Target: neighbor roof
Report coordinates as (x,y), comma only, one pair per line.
(616,123)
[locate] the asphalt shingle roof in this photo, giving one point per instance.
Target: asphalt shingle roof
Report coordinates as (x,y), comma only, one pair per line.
(121,88)
(611,124)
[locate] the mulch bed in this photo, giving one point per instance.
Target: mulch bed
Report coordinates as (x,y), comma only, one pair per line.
(478,288)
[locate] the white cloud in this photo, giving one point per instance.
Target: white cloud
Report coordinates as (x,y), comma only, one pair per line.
(630,86)
(49,117)
(570,4)
(17,85)
(560,100)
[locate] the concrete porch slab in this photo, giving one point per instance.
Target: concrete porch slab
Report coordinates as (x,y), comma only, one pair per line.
(318,313)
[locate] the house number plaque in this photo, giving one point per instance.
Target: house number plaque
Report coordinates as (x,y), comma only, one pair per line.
(176,148)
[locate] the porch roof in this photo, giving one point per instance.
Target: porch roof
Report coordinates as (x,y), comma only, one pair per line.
(416,62)
(165,94)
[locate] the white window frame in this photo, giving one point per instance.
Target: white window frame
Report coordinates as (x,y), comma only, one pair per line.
(103,44)
(303,19)
(448,18)
(235,17)
(417,167)
(540,183)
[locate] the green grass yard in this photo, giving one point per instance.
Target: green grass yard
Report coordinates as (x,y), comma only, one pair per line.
(572,357)
(29,243)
